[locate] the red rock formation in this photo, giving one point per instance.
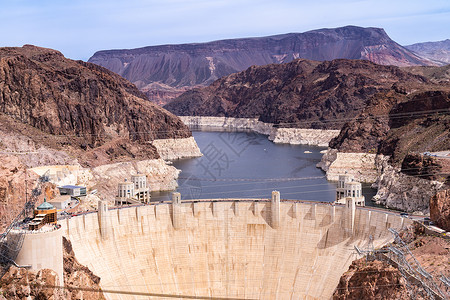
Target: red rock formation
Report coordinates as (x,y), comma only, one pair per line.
(378,280)
(308,93)
(403,125)
(440,209)
(12,188)
(24,284)
(44,284)
(371,280)
(65,97)
(69,112)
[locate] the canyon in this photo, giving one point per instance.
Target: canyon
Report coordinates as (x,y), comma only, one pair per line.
(71,117)
(293,136)
(384,114)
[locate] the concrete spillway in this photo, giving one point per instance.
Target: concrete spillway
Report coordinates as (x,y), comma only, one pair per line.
(235,249)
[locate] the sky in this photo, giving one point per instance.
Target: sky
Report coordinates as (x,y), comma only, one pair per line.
(79,28)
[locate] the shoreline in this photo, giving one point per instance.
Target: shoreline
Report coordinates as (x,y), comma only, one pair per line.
(293,136)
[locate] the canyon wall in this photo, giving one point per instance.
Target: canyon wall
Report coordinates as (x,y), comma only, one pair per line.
(362,166)
(170,149)
(405,192)
(104,178)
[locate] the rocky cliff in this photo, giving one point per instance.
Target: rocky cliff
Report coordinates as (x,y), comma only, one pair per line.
(439,75)
(59,96)
(161,71)
(395,125)
(440,209)
(371,280)
(56,111)
(301,93)
(438,52)
(79,281)
(379,280)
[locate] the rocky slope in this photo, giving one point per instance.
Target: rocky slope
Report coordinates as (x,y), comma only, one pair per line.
(371,280)
(396,125)
(438,52)
(379,280)
(301,93)
(23,284)
(57,111)
(79,281)
(401,129)
(438,75)
(162,71)
(78,276)
(59,96)
(440,209)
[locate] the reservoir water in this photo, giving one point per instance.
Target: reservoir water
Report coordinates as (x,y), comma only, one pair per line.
(239,164)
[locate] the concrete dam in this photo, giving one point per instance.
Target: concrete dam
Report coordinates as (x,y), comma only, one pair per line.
(226,248)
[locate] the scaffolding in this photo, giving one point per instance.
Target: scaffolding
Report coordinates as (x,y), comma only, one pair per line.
(11,240)
(419,283)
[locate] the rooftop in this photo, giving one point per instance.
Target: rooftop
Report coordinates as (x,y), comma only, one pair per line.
(45,206)
(71,187)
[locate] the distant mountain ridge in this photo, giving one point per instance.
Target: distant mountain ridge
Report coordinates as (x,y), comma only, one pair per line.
(435,51)
(163,72)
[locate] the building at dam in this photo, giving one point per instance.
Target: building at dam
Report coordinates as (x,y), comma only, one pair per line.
(43,214)
(35,245)
(72,190)
(134,191)
(349,188)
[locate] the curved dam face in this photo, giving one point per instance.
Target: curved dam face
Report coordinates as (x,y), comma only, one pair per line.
(230,249)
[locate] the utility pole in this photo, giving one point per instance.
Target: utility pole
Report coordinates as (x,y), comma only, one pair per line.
(25,211)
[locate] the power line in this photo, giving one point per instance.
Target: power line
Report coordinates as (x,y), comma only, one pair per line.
(122,292)
(330,121)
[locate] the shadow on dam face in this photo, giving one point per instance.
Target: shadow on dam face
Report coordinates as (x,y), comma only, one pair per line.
(226,249)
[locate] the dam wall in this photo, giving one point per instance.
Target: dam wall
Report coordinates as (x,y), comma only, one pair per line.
(253,249)
(43,250)
(294,136)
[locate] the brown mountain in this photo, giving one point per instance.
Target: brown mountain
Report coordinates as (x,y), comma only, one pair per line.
(301,93)
(55,110)
(161,71)
(78,105)
(438,52)
(398,126)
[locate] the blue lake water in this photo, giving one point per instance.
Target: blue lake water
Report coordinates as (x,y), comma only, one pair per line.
(237,164)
